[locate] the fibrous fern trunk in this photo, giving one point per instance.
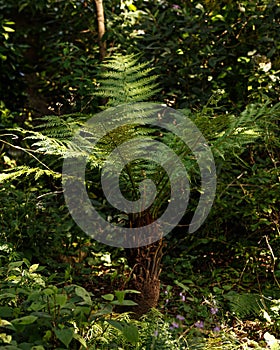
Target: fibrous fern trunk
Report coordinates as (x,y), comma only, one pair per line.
(145,262)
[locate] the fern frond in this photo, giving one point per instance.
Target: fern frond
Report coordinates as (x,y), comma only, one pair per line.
(124,80)
(17,172)
(61,127)
(56,136)
(245,304)
(229,134)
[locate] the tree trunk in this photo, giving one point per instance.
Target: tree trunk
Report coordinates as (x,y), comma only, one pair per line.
(101,28)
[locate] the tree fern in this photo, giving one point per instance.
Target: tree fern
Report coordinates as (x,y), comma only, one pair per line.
(124,81)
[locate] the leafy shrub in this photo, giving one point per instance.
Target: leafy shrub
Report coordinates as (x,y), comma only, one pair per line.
(38,314)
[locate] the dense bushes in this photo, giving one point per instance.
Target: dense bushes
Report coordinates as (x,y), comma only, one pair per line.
(198,49)
(201,48)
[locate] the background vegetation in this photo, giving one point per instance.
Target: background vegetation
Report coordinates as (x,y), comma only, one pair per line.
(218,63)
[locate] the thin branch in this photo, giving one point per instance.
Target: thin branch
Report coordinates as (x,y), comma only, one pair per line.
(273,261)
(26,151)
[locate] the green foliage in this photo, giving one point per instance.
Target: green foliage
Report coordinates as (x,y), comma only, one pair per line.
(24,170)
(244,305)
(60,79)
(10,57)
(219,62)
(35,312)
(248,182)
(35,224)
(77,71)
(199,48)
(124,80)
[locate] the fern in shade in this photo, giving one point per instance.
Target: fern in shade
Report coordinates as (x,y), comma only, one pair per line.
(245,304)
(125,82)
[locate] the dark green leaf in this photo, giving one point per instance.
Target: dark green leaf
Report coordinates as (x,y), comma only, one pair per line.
(64,335)
(131,333)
